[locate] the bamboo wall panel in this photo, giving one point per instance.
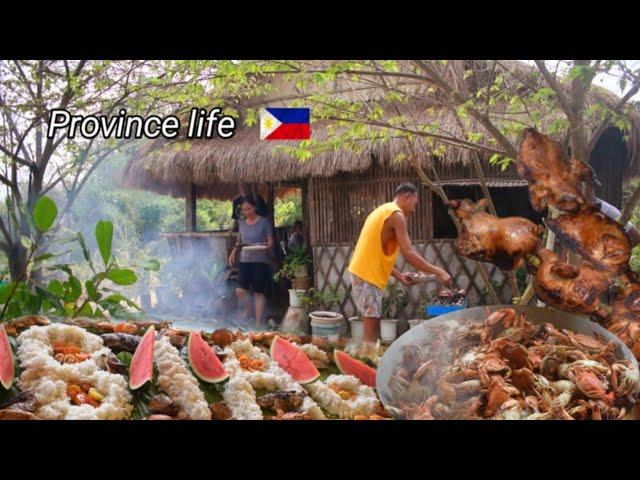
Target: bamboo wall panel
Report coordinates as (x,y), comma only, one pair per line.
(331,262)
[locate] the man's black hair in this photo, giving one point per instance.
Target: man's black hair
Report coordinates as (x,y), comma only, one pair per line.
(297,222)
(406,187)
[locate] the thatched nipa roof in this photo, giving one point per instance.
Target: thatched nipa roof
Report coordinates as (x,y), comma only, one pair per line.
(215,166)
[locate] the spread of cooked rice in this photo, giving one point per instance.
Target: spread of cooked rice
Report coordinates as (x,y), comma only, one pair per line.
(175,379)
(364,403)
(48,378)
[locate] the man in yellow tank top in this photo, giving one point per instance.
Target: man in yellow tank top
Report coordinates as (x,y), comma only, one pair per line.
(383,235)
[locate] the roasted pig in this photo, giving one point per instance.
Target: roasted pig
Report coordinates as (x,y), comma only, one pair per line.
(570,288)
(624,317)
(553,179)
(487,238)
(599,239)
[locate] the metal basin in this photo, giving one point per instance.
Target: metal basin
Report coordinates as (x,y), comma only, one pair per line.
(576,323)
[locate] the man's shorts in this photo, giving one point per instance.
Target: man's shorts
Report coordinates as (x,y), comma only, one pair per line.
(368,297)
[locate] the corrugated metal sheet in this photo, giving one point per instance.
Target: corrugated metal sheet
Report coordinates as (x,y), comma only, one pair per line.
(491,182)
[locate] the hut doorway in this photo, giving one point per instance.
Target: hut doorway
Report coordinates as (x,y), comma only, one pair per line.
(610,160)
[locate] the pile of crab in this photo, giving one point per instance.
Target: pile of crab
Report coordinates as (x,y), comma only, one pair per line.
(506,367)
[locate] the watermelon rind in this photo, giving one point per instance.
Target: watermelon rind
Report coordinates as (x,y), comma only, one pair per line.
(7,367)
(300,357)
(197,346)
(148,338)
(358,369)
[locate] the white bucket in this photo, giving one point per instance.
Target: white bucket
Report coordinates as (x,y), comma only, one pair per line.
(357,328)
(388,330)
(295,298)
(326,325)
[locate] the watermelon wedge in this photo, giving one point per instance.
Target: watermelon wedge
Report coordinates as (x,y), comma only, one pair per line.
(203,361)
(293,361)
(141,368)
(6,360)
(350,366)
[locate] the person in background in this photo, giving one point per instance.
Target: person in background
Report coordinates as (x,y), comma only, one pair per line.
(296,240)
(612,212)
(254,264)
(258,201)
(384,234)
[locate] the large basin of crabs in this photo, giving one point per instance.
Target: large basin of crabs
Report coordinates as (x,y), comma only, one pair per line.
(79,369)
(509,362)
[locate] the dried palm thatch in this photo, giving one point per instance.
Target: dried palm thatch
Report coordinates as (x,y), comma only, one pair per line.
(215,166)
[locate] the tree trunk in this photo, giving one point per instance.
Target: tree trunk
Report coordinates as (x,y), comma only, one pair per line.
(17,260)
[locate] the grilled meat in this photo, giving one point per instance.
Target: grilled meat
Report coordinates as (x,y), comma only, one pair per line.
(24,401)
(599,239)
(119,342)
(220,411)
(9,414)
(114,365)
(162,404)
(284,401)
(553,179)
(487,238)
(567,287)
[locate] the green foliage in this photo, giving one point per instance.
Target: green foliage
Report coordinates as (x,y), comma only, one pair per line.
(313,299)
(66,297)
(297,258)
(44,213)
(288,210)
(395,300)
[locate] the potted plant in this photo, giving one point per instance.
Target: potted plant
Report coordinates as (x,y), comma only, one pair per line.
(295,265)
(421,315)
(395,300)
(324,323)
(295,268)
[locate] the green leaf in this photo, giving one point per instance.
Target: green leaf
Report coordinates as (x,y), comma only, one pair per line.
(91,290)
(117,298)
(5,290)
(122,276)
(125,357)
(495,158)
(73,289)
(43,257)
(86,310)
(26,242)
(85,250)
(44,213)
(56,288)
(104,236)
(152,264)
(50,297)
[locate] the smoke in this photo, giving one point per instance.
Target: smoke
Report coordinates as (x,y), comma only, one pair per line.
(191,289)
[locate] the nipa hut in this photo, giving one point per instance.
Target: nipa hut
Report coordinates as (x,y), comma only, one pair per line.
(339,187)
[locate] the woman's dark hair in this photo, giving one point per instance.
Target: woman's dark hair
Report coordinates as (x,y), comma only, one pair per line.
(250,200)
(406,187)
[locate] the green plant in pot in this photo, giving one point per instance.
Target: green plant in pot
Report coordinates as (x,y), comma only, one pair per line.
(295,265)
(324,323)
(393,303)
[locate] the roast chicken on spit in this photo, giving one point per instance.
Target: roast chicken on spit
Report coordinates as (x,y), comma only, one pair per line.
(568,287)
(599,239)
(487,238)
(553,179)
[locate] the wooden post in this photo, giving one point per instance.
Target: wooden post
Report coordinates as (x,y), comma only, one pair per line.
(190,219)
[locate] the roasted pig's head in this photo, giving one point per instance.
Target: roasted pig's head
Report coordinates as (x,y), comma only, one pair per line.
(484,237)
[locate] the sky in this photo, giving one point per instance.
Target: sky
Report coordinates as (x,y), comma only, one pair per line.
(610,82)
